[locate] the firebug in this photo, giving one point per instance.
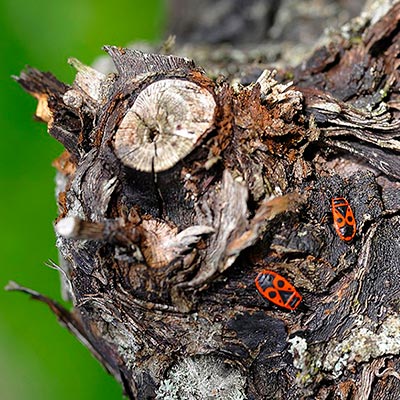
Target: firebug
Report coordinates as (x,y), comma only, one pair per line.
(343,219)
(277,289)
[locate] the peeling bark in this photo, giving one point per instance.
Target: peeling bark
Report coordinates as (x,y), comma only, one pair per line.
(160,261)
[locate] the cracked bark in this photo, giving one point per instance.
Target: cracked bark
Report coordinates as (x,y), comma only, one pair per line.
(159,256)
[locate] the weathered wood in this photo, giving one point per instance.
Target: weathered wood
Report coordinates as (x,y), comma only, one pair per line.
(160,261)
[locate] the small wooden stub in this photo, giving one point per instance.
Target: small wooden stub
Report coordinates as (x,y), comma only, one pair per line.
(164,125)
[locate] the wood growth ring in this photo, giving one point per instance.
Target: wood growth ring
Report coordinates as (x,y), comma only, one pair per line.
(164,125)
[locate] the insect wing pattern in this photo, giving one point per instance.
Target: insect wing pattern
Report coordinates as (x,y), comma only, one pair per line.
(277,290)
(343,219)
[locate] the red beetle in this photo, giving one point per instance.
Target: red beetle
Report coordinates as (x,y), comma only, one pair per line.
(343,219)
(277,289)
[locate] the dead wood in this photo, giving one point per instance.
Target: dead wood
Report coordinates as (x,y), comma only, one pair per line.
(177,186)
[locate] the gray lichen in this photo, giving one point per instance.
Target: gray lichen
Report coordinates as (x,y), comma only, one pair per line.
(361,345)
(205,377)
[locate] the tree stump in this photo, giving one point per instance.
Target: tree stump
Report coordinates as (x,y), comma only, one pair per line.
(178,186)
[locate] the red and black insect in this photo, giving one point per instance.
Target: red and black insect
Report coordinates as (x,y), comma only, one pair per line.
(343,219)
(277,289)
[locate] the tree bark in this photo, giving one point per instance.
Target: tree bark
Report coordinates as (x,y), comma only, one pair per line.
(179,184)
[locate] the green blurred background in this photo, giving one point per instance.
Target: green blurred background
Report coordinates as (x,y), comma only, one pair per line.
(38,358)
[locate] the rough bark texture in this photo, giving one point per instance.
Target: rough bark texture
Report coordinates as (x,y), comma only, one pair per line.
(160,262)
